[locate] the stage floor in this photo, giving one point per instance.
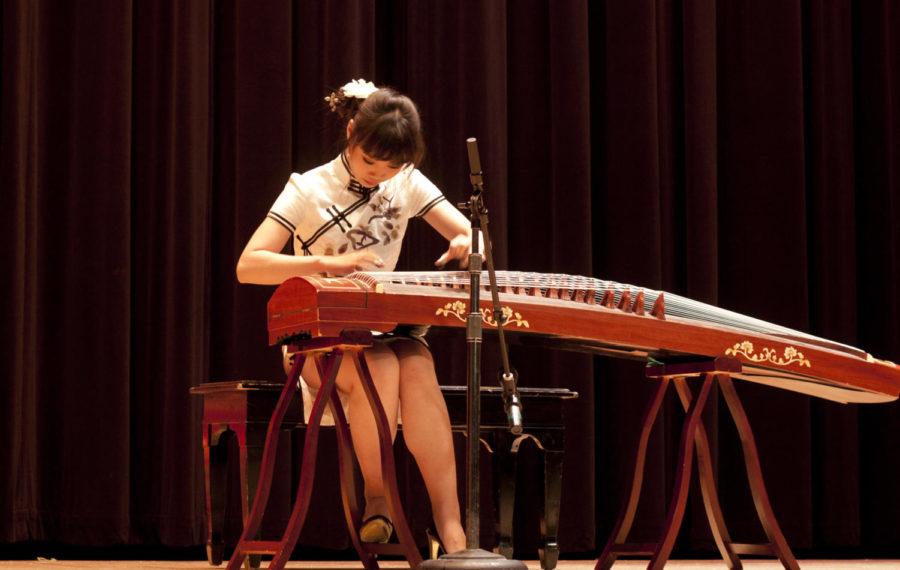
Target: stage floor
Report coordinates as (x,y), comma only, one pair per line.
(532,565)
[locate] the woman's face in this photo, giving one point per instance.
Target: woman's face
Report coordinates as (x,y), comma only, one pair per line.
(368,170)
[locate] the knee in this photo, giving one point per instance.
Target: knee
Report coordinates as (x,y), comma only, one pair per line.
(408,348)
(383,365)
(380,361)
(413,358)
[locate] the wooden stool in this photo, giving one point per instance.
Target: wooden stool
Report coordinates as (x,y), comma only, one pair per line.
(245,408)
(544,424)
(693,435)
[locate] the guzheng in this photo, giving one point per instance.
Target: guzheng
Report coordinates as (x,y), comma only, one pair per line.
(589,315)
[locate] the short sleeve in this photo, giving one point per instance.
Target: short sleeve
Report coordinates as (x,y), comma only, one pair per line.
(286,209)
(423,194)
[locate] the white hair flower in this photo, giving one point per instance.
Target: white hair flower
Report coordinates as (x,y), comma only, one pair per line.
(359,88)
(340,100)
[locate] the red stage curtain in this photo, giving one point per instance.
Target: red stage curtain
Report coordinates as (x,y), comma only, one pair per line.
(742,154)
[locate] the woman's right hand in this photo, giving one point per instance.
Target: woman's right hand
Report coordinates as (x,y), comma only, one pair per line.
(362,260)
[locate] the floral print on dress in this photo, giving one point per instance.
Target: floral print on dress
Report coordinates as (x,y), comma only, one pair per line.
(380,224)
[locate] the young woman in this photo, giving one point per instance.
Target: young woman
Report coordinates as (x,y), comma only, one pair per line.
(350,215)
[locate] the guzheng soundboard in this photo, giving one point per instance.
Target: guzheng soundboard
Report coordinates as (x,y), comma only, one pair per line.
(589,315)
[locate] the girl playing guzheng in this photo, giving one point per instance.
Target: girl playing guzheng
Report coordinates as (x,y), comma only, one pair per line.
(350,214)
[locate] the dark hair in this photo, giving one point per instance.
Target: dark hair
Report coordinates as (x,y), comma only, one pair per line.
(386,126)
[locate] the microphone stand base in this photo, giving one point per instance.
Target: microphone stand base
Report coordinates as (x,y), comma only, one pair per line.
(473,559)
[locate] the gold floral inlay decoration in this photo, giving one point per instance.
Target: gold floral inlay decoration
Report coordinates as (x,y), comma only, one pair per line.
(459,310)
(790,356)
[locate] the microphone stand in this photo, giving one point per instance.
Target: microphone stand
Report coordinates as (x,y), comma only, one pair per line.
(473,557)
(479,219)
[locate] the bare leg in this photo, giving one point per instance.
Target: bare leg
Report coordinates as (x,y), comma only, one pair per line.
(385,373)
(426,430)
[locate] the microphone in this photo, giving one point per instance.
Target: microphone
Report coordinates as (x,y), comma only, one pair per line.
(511,403)
(474,162)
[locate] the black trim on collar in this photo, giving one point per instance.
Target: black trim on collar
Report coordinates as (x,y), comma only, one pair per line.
(355,185)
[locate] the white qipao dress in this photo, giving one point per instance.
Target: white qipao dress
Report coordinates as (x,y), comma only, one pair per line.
(328,212)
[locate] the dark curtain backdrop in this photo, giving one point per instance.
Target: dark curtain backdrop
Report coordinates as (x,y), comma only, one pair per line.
(740,153)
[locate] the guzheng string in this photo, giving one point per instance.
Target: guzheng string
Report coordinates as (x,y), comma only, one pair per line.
(676,305)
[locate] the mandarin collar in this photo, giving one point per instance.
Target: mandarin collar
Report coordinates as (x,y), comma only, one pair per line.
(349,181)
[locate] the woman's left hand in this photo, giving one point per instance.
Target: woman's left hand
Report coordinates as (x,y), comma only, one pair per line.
(459,248)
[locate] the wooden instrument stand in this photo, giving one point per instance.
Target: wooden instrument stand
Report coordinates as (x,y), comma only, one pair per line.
(693,435)
(328,354)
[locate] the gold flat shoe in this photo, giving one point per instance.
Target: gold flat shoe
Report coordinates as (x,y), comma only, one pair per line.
(376,529)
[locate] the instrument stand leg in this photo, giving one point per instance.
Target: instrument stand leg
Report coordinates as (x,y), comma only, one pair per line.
(407,545)
(349,495)
(328,365)
(282,549)
(682,476)
(616,544)
(693,436)
(708,484)
(328,355)
(777,545)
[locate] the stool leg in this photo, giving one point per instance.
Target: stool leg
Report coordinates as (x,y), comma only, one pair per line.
(626,518)
(755,478)
(251,457)
(683,475)
(553,465)
(506,455)
(708,488)
(331,363)
(261,497)
(215,462)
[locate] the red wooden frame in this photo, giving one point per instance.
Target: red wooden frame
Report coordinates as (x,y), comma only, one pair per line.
(328,354)
(693,436)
